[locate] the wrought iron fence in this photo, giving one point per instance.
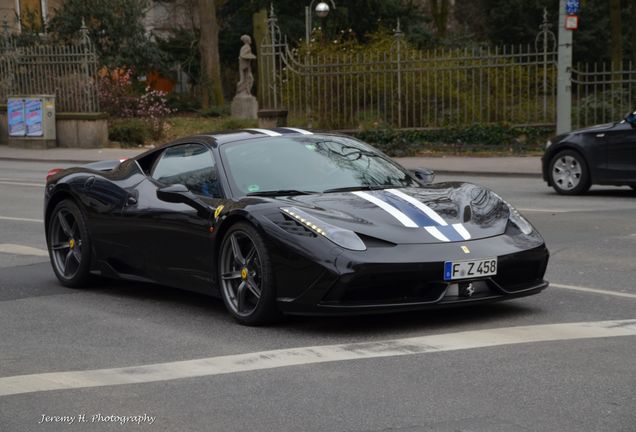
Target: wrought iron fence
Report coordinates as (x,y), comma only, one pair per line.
(68,71)
(601,93)
(407,88)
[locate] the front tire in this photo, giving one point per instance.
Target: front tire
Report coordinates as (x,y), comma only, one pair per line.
(245,276)
(569,174)
(69,244)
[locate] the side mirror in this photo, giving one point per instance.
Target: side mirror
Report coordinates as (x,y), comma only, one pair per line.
(631,118)
(178,193)
(424,175)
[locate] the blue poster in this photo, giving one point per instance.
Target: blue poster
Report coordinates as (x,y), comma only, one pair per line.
(15,114)
(572,7)
(33,113)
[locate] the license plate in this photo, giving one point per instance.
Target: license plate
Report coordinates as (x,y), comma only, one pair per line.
(470,269)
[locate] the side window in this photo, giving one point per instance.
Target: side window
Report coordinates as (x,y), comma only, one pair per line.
(191,165)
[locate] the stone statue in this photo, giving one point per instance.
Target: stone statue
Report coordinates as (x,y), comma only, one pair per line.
(246,79)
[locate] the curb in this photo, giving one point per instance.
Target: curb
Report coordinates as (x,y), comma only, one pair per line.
(70,161)
(442,172)
(489,173)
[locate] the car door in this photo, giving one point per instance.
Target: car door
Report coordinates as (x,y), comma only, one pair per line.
(174,238)
(621,153)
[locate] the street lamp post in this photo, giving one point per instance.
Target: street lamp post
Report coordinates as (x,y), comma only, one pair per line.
(322,10)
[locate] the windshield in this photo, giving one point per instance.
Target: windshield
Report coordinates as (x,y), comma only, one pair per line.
(308,164)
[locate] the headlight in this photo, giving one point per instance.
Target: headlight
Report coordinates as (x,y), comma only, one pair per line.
(548,144)
(342,237)
(521,222)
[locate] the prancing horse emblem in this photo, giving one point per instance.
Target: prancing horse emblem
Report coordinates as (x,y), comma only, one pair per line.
(465,249)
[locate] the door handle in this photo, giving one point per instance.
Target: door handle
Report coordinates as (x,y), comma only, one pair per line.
(601,135)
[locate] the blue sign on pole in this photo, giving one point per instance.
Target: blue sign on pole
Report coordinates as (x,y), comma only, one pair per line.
(572,7)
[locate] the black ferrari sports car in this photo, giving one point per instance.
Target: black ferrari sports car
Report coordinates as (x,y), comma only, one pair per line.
(289,221)
(603,154)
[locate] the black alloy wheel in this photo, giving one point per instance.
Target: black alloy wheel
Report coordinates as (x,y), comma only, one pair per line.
(69,244)
(569,174)
(245,276)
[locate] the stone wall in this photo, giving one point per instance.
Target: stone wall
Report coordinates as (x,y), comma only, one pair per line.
(73,130)
(81,130)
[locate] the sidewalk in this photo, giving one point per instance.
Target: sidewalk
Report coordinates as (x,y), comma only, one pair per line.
(496,166)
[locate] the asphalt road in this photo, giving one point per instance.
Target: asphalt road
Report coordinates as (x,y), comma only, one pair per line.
(486,374)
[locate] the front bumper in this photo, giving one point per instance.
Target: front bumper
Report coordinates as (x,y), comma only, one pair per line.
(410,277)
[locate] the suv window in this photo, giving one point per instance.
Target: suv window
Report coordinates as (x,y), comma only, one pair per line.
(191,165)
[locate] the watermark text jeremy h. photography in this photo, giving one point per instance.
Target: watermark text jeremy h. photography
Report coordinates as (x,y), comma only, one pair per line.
(97,418)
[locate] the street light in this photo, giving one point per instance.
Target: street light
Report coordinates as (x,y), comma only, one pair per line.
(322,10)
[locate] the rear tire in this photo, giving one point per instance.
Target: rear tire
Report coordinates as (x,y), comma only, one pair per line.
(245,276)
(569,174)
(69,245)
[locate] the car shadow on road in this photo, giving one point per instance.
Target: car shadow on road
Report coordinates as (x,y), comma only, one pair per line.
(197,305)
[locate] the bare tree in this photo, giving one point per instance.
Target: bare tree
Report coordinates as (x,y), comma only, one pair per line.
(211,86)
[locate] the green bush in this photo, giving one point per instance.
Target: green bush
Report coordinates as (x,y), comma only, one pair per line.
(234,124)
(215,111)
(183,103)
(474,138)
(129,132)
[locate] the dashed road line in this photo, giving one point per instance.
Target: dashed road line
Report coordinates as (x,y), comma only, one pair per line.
(19,219)
(16,249)
(265,360)
(14,183)
(593,290)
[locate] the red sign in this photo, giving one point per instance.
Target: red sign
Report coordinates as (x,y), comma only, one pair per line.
(571,22)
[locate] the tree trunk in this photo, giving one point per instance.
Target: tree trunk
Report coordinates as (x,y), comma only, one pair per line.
(616,28)
(633,27)
(439,13)
(211,86)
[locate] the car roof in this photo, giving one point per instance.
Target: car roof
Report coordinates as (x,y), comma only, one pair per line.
(240,135)
(219,138)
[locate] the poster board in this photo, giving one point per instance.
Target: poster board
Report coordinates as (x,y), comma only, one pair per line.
(16,117)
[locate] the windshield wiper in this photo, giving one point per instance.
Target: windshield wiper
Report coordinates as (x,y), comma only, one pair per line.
(360,187)
(281,192)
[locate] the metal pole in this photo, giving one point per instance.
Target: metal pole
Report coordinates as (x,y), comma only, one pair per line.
(564,71)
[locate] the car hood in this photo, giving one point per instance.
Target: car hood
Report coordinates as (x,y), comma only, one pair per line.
(596,128)
(437,213)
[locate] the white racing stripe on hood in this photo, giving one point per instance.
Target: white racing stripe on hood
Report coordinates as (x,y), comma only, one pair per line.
(404,219)
(462,231)
(420,205)
(435,233)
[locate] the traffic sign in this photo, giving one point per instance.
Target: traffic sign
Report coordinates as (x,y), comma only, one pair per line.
(572,7)
(571,22)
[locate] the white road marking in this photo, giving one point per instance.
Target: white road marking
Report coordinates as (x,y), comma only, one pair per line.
(22,250)
(593,290)
(312,355)
(14,183)
(21,219)
(546,210)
